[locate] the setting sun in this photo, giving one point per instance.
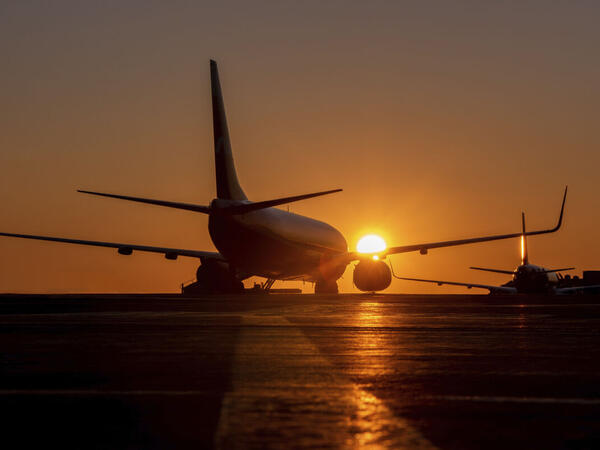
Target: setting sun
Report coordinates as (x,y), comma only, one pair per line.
(371,243)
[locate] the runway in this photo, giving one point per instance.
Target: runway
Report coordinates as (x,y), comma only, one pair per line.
(300,371)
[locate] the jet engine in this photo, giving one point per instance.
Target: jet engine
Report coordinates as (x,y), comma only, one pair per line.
(214,276)
(370,276)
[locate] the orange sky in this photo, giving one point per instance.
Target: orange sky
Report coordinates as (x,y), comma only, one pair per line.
(439,121)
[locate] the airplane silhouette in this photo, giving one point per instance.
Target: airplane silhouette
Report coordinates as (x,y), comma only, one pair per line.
(257,239)
(527,278)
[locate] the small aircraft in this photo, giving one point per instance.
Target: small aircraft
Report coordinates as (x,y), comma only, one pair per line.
(257,239)
(527,278)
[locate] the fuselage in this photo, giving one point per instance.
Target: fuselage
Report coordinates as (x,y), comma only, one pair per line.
(277,244)
(532,279)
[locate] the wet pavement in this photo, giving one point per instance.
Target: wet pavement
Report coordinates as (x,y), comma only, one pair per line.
(299,371)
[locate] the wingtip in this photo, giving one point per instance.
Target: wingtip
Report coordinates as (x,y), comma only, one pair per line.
(562,210)
(564,199)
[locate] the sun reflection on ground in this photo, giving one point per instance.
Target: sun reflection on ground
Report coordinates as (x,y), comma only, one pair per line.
(369,343)
(275,394)
(369,314)
(370,346)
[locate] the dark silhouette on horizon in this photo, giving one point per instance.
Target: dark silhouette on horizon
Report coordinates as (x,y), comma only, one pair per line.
(256,239)
(527,278)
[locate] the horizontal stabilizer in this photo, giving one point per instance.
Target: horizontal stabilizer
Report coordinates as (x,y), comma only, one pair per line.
(177,205)
(245,208)
(508,272)
(240,208)
(558,270)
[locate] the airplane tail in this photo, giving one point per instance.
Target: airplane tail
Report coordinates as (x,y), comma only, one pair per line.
(228,186)
(524,254)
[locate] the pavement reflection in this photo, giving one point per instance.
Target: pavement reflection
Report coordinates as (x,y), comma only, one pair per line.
(281,371)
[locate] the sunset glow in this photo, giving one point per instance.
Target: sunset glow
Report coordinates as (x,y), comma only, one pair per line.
(371,243)
(417,116)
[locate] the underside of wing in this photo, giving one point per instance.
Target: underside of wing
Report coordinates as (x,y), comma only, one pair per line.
(492,289)
(423,248)
(124,249)
(577,289)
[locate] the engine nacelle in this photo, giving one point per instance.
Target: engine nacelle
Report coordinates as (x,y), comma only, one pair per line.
(370,276)
(215,277)
(211,271)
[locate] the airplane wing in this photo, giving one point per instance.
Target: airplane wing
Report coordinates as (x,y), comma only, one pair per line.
(575,289)
(492,289)
(125,249)
(423,248)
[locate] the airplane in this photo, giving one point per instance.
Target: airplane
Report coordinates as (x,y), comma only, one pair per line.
(253,238)
(527,278)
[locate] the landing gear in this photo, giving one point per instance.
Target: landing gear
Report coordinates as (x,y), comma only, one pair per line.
(262,288)
(267,285)
(326,287)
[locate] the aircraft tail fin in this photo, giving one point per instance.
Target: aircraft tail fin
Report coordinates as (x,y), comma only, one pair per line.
(254,206)
(524,254)
(228,186)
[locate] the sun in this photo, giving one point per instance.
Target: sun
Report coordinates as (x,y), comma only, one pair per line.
(371,243)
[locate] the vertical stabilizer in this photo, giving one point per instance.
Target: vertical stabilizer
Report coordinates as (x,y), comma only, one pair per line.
(524,255)
(228,186)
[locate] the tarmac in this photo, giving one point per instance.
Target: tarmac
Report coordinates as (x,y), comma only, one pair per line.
(299,371)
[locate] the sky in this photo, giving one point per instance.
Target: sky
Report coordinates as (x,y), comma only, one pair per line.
(440,120)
